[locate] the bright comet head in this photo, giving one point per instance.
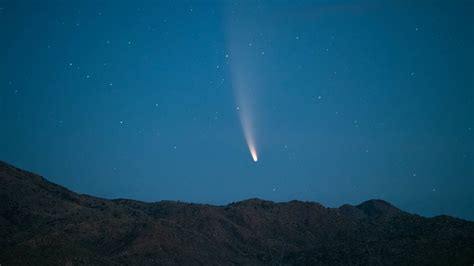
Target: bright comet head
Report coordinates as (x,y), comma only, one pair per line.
(253,151)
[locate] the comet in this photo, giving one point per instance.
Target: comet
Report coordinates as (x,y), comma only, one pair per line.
(245,75)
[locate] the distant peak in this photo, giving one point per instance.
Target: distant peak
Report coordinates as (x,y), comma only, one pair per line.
(376,202)
(377,207)
(253,201)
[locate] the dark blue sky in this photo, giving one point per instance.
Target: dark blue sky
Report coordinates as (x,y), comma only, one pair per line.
(352,100)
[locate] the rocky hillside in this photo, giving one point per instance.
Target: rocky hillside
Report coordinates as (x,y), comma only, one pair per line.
(42,223)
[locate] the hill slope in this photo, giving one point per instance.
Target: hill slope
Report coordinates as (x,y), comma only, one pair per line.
(43,223)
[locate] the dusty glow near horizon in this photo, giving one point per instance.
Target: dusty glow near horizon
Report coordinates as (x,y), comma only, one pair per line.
(246,121)
(249,135)
(248,129)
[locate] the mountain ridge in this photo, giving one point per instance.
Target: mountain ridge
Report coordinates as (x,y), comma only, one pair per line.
(44,223)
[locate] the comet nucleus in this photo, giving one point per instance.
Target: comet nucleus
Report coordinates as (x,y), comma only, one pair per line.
(253,151)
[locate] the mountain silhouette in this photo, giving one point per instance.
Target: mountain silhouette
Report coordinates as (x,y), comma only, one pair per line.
(42,223)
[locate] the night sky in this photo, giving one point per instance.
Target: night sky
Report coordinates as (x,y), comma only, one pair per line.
(343,101)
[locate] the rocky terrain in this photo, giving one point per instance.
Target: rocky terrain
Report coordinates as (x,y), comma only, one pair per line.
(42,223)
